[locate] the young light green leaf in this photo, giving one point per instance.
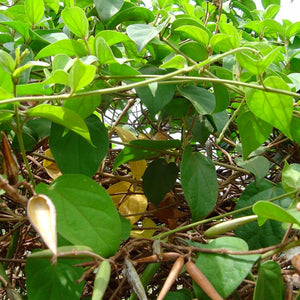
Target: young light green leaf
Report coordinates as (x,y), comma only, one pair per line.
(203,101)
(68,47)
(268,210)
(253,131)
(103,51)
(63,116)
(266,3)
(81,75)
(86,214)
(107,8)
(291,177)
(53,4)
(195,33)
(7,63)
(269,284)
(199,183)
(101,280)
(76,20)
(34,10)
(177,62)
(275,109)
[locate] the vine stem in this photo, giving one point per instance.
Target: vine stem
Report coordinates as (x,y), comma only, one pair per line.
(189,226)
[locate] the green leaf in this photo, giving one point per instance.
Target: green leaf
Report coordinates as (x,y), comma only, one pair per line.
(84,105)
(73,154)
(293,29)
(34,10)
(68,47)
(199,183)
(194,50)
(86,215)
(34,88)
(7,63)
(267,210)
(142,34)
(266,3)
(183,294)
(203,100)
(269,284)
(275,109)
(271,11)
(47,281)
(53,4)
(291,177)
(258,165)
(221,97)
(144,149)
(75,19)
(162,96)
(58,76)
(235,36)
(194,33)
(103,51)
(107,8)
(177,62)
(112,37)
(81,75)
(216,267)
(271,232)
(63,116)
(254,65)
(158,179)
(253,131)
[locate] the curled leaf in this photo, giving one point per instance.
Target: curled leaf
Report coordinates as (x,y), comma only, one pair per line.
(51,166)
(101,280)
(42,216)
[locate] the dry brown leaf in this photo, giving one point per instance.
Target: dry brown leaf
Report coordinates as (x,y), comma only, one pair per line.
(148,233)
(168,211)
(50,166)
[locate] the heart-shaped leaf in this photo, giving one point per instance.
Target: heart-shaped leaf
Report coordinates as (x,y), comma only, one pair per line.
(158,179)
(86,215)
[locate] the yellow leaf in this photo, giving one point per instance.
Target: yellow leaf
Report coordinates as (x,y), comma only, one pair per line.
(125,135)
(133,204)
(118,190)
(138,168)
(147,233)
(50,166)
(160,136)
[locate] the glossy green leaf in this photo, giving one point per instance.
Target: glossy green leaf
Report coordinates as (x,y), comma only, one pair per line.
(34,88)
(235,36)
(266,3)
(75,19)
(267,210)
(199,183)
(65,147)
(144,149)
(7,63)
(203,100)
(158,179)
(293,29)
(86,215)
(269,284)
(291,177)
(258,165)
(142,34)
(103,51)
(112,37)
(107,8)
(81,75)
(68,47)
(34,10)
(275,109)
(221,97)
(254,65)
(47,281)
(194,33)
(58,76)
(253,131)
(176,62)
(63,116)
(155,99)
(216,267)
(194,50)
(132,13)
(271,233)
(53,4)
(84,105)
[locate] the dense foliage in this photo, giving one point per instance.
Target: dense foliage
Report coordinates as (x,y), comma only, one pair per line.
(154,151)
